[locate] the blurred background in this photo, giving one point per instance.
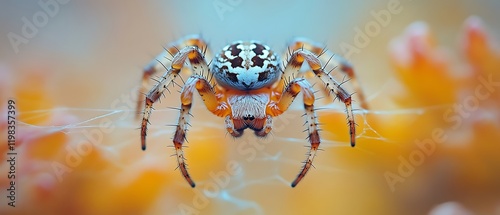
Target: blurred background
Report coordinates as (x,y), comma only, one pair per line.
(429,144)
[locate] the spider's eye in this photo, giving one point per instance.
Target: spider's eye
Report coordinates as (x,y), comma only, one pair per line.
(249,117)
(263,75)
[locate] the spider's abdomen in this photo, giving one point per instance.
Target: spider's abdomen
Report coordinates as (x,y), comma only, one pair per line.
(246,66)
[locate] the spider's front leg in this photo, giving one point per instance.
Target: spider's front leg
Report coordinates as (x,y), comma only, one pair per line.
(297,59)
(209,97)
(289,94)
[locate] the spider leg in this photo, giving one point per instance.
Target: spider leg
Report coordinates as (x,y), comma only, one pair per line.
(297,59)
(291,91)
(206,91)
(198,65)
(163,60)
(327,56)
(179,137)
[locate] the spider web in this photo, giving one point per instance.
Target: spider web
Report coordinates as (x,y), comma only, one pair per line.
(281,153)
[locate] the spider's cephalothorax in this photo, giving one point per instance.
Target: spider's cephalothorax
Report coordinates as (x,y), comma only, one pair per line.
(249,88)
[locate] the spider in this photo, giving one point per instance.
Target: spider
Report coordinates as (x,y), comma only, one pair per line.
(247,86)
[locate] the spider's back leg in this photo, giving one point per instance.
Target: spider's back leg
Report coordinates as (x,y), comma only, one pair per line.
(198,64)
(164,60)
(295,63)
(326,57)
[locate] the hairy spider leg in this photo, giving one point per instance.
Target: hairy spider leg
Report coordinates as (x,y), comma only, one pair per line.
(291,91)
(212,100)
(207,93)
(164,60)
(298,58)
(327,56)
(198,63)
